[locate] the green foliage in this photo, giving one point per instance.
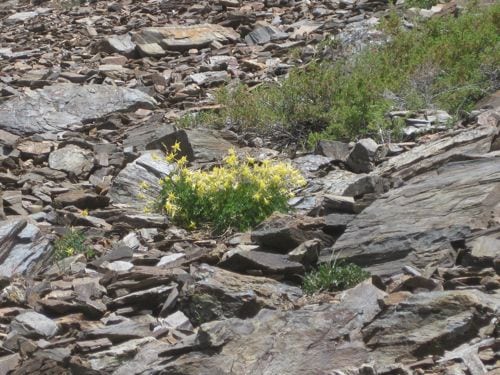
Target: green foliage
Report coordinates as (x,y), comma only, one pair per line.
(392,23)
(238,194)
(423,4)
(333,277)
(72,243)
(447,63)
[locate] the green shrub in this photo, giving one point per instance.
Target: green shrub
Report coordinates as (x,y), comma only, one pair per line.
(446,63)
(333,277)
(424,4)
(72,243)
(238,194)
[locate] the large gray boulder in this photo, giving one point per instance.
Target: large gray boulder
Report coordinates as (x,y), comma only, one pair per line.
(417,224)
(66,106)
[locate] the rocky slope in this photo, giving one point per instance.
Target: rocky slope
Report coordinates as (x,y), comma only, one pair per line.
(88,95)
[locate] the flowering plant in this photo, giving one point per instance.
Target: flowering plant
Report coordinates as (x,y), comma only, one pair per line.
(238,194)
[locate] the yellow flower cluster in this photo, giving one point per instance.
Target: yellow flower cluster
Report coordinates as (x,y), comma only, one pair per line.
(241,192)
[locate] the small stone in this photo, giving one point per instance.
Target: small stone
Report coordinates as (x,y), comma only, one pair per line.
(34,325)
(72,159)
(361,158)
(338,151)
(121,44)
(170,260)
(178,321)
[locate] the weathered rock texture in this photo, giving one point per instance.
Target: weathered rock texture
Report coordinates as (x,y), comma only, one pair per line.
(419,223)
(66,106)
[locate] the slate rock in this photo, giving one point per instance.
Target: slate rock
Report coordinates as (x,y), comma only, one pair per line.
(265,34)
(218,294)
(338,151)
(35,149)
(127,187)
(20,17)
(342,182)
(81,199)
(458,145)
(66,106)
(206,145)
(9,363)
(34,325)
(121,44)
(245,345)
(120,332)
(183,38)
(283,233)
(337,223)
(155,136)
(311,163)
(428,323)
(269,263)
(416,224)
(146,298)
(177,321)
(207,79)
(362,157)
(72,159)
(107,360)
(21,253)
(483,249)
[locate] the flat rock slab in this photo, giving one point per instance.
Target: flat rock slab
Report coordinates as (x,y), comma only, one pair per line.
(181,38)
(457,145)
(81,199)
(66,106)
(268,263)
(72,159)
(120,332)
(35,325)
(415,225)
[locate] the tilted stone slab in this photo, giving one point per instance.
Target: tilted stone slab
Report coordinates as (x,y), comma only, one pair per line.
(457,145)
(23,249)
(67,106)
(416,224)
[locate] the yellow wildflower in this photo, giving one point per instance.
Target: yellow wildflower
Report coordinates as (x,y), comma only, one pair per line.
(85,212)
(182,161)
(170,157)
(176,147)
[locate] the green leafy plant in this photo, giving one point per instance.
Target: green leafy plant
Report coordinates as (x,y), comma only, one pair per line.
(424,4)
(446,63)
(238,194)
(72,243)
(333,276)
